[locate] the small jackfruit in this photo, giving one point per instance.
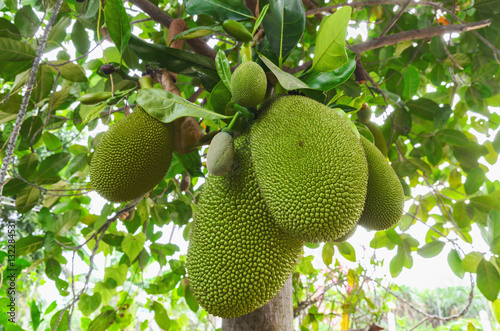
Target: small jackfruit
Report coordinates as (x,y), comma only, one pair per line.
(238,259)
(220,154)
(385,197)
(378,137)
(310,167)
(364,114)
(248,84)
(132,157)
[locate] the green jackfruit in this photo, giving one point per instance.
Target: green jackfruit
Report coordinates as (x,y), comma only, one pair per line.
(238,259)
(385,197)
(132,157)
(220,154)
(378,136)
(347,235)
(248,84)
(310,167)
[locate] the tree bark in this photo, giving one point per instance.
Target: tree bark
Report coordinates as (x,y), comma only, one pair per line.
(276,315)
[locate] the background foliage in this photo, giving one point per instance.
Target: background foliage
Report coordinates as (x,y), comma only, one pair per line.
(433,94)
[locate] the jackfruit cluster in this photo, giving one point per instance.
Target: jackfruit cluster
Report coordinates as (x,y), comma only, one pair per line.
(300,173)
(132,157)
(238,258)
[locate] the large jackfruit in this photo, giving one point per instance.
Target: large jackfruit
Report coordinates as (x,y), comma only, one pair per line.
(132,157)
(385,197)
(238,259)
(310,167)
(248,84)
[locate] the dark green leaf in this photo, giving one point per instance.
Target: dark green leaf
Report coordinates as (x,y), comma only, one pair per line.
(118,23)
(219,9)
(223,68)
(469,154)
(35,315)
(219,98)
(328,80)
(283,24)
(27,165)
(9,30)
(423,108)
(452,137)
(57,33)
(411,81)
(15,51)
(27,198)
(402,121)
(68,70)
(166,106)
(29,244)
(80,38)
(50,167)
(52,269)
(191,300)
(68,220)
(488,279)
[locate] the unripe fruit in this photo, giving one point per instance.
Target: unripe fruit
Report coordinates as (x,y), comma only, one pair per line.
(94,98)
(248,84)
(364,114)
(237,31)
(220,154)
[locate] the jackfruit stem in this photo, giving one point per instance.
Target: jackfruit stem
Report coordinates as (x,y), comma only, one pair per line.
(230,126)
(246,52)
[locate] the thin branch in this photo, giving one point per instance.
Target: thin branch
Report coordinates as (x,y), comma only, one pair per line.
(25,101)
(395,18)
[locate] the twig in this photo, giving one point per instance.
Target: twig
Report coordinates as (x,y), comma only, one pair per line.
(395,18)
(25,101)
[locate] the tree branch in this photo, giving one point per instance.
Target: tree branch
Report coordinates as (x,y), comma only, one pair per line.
(427,33)
(26,97)
(159,16)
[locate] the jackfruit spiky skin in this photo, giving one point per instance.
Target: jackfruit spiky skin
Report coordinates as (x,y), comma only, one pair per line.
(238,259)
(378,136)
(248,84)
(385,197)
(132,157)
(347,235)
(310,167)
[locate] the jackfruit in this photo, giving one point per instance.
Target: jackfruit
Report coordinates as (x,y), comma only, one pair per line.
(346,236)
(364,114)
(248,84)
(238,259)
(378,137)
(132,157)
(310,167)
(220,154)
(385,197)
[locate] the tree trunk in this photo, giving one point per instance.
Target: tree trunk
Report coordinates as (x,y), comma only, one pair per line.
(276,315)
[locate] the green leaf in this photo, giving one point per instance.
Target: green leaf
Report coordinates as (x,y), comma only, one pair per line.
(80,38)
(326,81)
(191,300)
(27,165)
(63,324)
(330,53)
(219,9)
(68,220)
(166,106)
(35,315)
(423,108)
(488,279)
(486,203)
(396,264)
(103,320)
(118,23)
(474,181)
(471,261)
(132,245)
(258,22)
(223,68)
(452,137)
(469,154)
(9,30)
(89,303)
(495,307)
(287,81)
(161,316)
(50,167)
(117,272)
(27,198)
(411,81)
(198,31)
(28,245)
(283,25)
(15,51)
(26,21)
(455,263)
(68,70)
(402,121)
(51,141)
(327,253)
(57,33)
(431,249)
(52,269)
(346,250)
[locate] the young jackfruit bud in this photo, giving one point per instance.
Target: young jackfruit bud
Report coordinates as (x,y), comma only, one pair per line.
(248,84)
(220,154)
(237,31)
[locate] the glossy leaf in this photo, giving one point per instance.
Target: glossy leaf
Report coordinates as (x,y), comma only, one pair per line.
(118,23)
(328,80)
(29,244)
(219,9)
(330,53)
(166,106)
(287,81)
(223,69)
(283,24)
(57,33)
(68,70)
